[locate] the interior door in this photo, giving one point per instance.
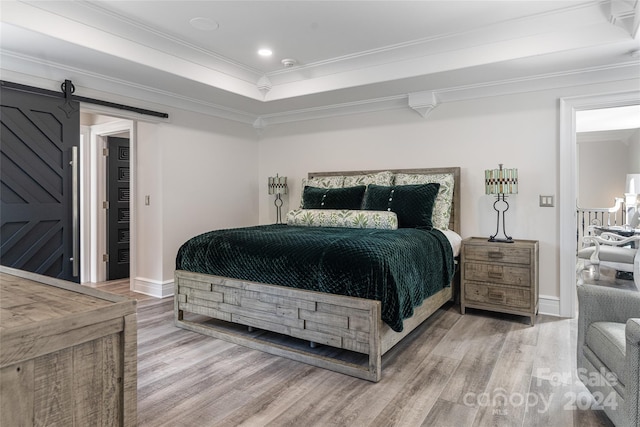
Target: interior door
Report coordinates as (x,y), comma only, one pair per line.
(118,216)
(39,139)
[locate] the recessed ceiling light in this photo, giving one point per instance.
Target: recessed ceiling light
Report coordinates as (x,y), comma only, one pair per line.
(204,24)
(265,52)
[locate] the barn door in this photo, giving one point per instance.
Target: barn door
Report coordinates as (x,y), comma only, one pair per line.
(39,140)
(118,172)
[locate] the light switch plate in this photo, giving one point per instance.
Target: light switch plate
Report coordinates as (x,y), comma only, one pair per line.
(546,202)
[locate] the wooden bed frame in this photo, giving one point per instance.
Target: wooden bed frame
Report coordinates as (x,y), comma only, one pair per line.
(224,307)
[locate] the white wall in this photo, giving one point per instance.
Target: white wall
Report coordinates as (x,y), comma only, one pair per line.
(201,174)
(149,219)
(521,131)
(602,172)
(633,158)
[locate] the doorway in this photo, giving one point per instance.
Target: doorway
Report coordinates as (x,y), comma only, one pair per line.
(99,129)
(608,150)
(568,185)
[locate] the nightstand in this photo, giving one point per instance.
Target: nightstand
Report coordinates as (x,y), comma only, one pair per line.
(500,277)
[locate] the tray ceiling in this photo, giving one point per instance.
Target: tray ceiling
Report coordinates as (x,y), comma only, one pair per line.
(346,53)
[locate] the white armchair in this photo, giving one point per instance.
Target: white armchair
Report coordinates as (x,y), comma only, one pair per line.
(610,250)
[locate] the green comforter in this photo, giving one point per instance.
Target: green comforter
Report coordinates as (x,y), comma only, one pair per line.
(400,267)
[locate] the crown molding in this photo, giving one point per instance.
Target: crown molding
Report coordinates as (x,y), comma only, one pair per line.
(622,136)
(424,102)
(547,81)
(626,15)
(28,70)
(335,110)
(35,71)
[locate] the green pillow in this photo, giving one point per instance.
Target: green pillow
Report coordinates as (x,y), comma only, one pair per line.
(412,203)
(333,198)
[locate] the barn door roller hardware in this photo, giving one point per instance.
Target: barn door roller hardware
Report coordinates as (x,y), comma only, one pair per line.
(68,89)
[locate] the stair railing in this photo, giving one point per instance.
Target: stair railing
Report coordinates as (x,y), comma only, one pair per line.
(608,217)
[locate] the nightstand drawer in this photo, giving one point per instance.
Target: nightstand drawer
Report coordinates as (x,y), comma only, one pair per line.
(501,277)
(498,273)
(497,295)
(504,253)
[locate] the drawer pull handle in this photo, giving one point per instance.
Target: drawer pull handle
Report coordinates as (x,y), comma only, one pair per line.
(495,275)
(496,255)
(496,296)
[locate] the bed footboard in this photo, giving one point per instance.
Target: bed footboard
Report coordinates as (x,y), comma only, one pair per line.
(341,322)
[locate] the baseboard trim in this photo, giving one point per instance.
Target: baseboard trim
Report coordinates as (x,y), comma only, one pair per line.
(549,305)
(153,288)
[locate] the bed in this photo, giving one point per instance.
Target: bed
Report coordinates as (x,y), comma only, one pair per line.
(337,331)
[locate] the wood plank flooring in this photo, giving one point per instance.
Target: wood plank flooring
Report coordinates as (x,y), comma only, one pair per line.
(480,369)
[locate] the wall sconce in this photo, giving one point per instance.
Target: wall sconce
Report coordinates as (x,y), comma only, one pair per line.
(278,186)
(500,182)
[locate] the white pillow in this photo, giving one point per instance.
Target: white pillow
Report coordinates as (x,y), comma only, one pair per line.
(343,218)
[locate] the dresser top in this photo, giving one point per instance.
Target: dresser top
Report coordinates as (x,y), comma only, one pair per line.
(26,301)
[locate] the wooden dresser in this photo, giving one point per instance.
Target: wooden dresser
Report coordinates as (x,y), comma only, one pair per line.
(500,277)
(68,354)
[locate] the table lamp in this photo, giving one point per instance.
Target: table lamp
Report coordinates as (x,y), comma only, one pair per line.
(501,182)
(278,186)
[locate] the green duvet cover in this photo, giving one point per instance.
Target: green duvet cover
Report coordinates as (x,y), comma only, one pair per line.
(399,267)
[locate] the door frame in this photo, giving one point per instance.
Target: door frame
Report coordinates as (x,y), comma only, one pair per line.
(567,185)
(95,192)
(85,211)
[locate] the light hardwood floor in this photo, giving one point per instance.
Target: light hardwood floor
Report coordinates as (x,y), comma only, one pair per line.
(478,369)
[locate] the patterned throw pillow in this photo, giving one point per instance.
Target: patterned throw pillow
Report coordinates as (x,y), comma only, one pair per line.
(343,218)
(379,178)
(333,198)
(442,209)
(412,203)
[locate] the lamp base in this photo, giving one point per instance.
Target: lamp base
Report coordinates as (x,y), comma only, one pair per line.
(278,202)
(509,240)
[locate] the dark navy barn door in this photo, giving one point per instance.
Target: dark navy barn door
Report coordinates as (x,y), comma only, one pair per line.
(38,139)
